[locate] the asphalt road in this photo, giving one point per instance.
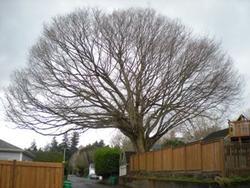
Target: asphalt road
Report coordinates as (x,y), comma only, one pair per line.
(78,182)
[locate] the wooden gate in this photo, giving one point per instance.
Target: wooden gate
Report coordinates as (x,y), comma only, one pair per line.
(18,174)
(237,158)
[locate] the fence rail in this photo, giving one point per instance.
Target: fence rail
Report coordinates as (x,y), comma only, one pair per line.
(18,174)
(195,157)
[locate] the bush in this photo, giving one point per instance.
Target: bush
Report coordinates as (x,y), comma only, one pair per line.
(48,156)
(173,143)
(107,161)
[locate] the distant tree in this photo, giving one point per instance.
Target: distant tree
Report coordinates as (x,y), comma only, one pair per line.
(54,145)
(95,145)
(74,141)
(46,147)
(80,161)
(121,141)
(64,146)
(33,147)
(65,141)
(133,70)
(199,128)
(89,150)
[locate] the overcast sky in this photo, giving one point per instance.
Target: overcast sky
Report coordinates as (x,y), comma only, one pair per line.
(21,23)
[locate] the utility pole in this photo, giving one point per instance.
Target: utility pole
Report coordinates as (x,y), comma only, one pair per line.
(64,154)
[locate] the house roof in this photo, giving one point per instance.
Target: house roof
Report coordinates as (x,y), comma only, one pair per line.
(5,146)
(217,135)
(242,118)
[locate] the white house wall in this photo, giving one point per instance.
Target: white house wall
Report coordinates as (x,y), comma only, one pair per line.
(10,156)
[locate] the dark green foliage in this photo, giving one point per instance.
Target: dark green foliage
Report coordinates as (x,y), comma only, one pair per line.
(48,156)
(86,172)
(65,142)
(173,143)
(107,161)
(73,143)
(66,169)
(79,162)
(54,145)
(95,145)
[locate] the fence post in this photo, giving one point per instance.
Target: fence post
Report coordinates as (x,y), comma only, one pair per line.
(62,172)
(13,182)
(222,158)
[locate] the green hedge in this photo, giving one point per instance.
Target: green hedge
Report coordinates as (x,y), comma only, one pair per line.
(48,156)
(107,161)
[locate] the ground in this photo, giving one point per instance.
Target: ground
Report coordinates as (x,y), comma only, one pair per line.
(78,182)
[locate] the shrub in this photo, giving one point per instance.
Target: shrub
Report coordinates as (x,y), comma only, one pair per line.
(48,156)
(173,143)
(107,161)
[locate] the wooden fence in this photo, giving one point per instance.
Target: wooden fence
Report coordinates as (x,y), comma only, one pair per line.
(195,157)
(237,159)
(17,174)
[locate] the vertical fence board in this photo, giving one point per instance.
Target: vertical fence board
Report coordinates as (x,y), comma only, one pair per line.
(193,157)
(150,161)
(131,163)
(157,160)
(167,159)
(142,161)
(211,157)
(179,159)
(136,162)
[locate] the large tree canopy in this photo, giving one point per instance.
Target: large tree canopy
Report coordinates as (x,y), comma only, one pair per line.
(134,70)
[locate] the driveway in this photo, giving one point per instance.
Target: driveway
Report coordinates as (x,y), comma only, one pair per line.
(78,182)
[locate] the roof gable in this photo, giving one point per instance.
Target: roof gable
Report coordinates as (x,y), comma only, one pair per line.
(5,146)
(216,135)
(242,118)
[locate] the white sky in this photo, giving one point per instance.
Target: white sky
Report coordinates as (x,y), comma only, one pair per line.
(21,22)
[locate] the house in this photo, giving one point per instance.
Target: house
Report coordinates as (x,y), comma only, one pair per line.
(238,131)
(11,152)
(91,169)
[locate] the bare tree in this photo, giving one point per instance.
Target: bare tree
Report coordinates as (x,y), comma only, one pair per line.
(133,70)
(121,141)
(199,128)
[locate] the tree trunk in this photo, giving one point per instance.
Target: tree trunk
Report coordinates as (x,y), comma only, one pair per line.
(142,144)
(139,146)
